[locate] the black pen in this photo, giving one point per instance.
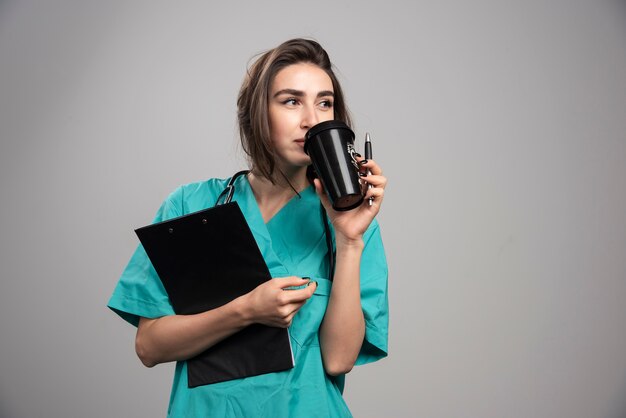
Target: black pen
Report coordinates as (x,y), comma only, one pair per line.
(368,156)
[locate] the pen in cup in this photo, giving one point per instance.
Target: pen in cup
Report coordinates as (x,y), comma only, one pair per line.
(368,156)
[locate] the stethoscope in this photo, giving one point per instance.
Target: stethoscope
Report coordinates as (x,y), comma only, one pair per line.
(227,195)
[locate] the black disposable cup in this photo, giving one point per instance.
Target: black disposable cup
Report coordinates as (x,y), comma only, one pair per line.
(330,145)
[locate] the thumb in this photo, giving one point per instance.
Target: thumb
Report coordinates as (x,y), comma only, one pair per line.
(319,189)
(321,193)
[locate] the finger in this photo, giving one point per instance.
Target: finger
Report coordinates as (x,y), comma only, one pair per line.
(289,319)
(371,166)
(376,193)
(285,311)
(299,295)
(290,281)
(294,308)
(284,322)
(374,197)
(376,181)
(359,161)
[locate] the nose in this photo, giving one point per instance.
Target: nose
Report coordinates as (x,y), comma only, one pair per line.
(310,117)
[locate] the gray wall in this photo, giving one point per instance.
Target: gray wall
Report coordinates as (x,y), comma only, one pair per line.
(500,124)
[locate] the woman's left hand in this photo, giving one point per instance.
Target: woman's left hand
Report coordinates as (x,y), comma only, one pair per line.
(351,225)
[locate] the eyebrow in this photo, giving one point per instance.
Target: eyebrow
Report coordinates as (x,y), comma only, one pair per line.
(299,93)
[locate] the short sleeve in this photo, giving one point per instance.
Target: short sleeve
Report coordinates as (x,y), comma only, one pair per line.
(374,299)
(139,291)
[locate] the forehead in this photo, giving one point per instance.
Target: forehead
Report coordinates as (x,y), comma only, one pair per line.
(304,77)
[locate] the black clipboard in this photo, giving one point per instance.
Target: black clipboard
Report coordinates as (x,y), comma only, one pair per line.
(206,259)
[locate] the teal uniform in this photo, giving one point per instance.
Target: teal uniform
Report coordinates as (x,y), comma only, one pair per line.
(292,244)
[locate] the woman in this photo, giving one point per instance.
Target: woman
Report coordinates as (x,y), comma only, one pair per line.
(333,325)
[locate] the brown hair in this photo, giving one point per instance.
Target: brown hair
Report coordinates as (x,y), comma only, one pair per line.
(253,99)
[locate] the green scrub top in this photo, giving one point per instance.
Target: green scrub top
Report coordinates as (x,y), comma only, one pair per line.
(292,244)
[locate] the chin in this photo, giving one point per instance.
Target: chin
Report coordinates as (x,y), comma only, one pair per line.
(296,163)
(301,161)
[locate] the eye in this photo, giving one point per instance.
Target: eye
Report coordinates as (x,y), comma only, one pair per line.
(326,104)
(291,101)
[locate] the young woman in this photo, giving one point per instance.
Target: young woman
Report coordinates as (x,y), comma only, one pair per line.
(333,324)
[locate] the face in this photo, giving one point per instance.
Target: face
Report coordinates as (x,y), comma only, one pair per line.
(301,96)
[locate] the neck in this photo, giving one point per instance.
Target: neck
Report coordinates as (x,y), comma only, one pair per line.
(272,197)
(286,184)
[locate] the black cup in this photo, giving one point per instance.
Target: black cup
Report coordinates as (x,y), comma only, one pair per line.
(330,145)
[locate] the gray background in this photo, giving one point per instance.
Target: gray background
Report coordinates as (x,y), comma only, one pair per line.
(500,124)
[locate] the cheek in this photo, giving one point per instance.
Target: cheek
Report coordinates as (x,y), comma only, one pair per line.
(277,131)
(327,116)
(283,124)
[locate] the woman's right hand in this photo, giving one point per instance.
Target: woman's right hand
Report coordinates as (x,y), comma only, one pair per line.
(180,337)
(274,304)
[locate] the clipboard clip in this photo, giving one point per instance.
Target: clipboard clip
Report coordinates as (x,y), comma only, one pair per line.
(229,191)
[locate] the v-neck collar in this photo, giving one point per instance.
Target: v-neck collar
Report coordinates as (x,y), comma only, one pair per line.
(249,206)
(295,198)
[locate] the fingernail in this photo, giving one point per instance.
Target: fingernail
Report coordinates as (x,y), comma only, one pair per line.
(364,162)
(306,278)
